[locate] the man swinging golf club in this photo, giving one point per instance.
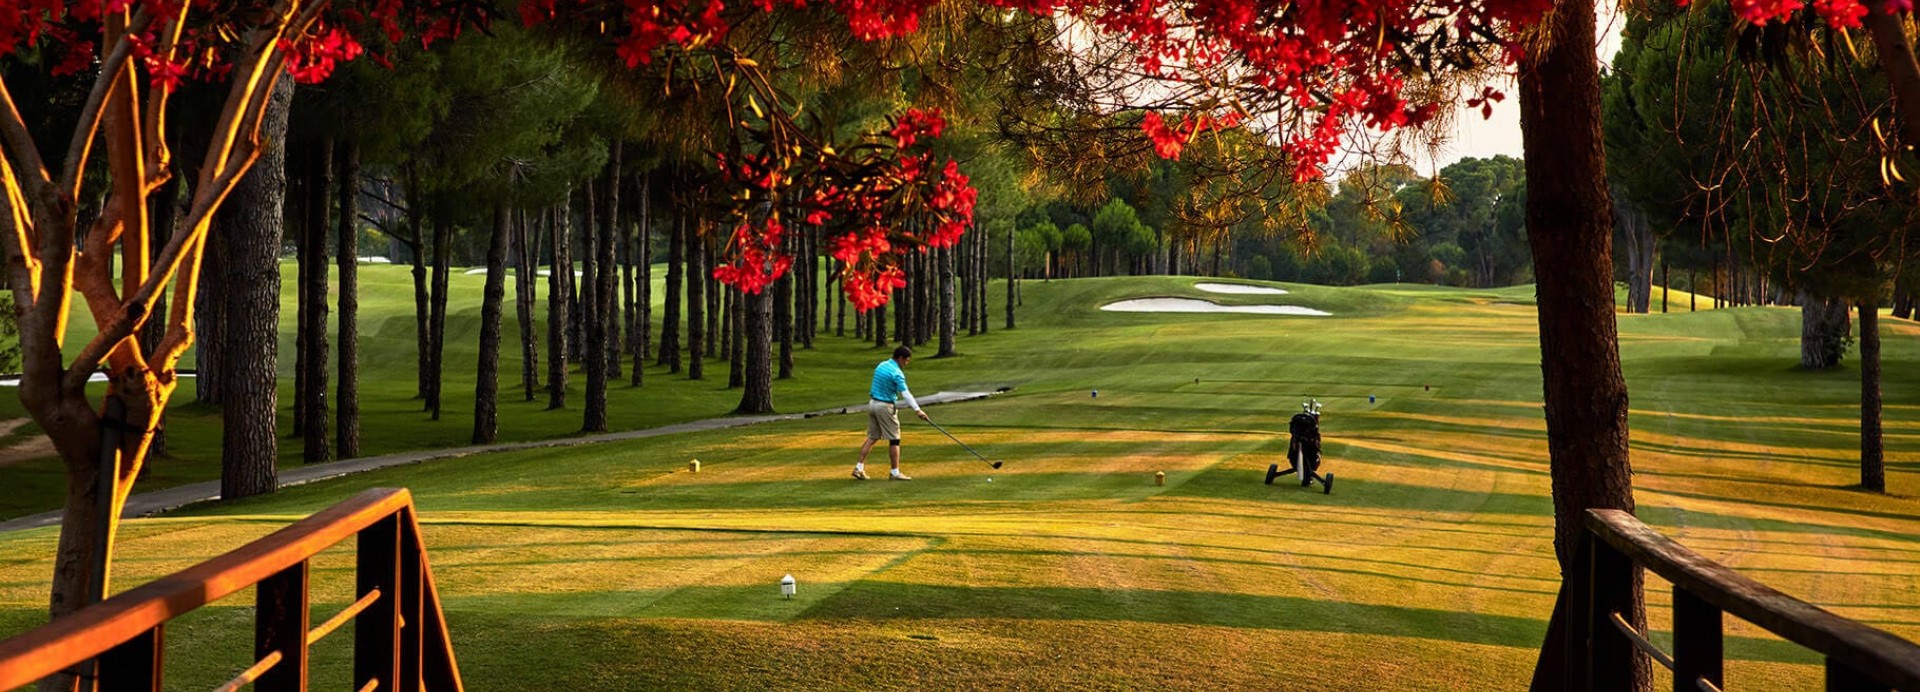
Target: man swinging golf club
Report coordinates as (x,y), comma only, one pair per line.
(889,385)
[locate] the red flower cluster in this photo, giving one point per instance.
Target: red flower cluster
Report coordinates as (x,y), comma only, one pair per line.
(1169,141)
(313,61)
(757,261)
(917,123)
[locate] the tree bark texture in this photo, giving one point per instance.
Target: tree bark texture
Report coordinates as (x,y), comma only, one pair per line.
(696,303)
(422,294)
(1824,330)
(486,385)
(783,327)
(670,317)
(757,396)
(525,273)
(558,272)
(250,227)
(644,302)
(437,337)
(318,443)
(347,396)
(948,328)
(596,279)
(1873,464)
(736,348)
(1570,231)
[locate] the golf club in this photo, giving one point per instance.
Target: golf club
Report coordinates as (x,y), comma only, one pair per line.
(963,445)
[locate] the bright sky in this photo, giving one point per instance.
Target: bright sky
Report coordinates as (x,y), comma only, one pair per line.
(1475,136)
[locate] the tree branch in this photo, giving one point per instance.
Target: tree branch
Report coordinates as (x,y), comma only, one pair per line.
(111,68)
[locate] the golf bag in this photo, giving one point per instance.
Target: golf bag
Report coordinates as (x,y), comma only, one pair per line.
(1303,451)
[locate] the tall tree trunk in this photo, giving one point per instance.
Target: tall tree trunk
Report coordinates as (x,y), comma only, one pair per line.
(611,315)
(1666,283)
(726,334)
(313,258)
(840,300)
(601,322)
(486,385)
(670,318)
(1823,331)
(643,284)
(422,296)
(757,396)
(877,325)
(525,276)
(710,258)
(250,227)
(783,322)
(210,299)
(736,347)
(558,304)
(696,303)
(948,328)
(1570,230)
(1011,275)
(1873,464)
(1902,296)
(437,337)
(347,397)
(163,210)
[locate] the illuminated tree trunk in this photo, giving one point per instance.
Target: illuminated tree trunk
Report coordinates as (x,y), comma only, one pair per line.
(1873,464)
(486,387)
(1011,276)
(1570,229)
(347,398)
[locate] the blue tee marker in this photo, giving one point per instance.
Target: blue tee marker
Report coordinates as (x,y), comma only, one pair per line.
(1369,398)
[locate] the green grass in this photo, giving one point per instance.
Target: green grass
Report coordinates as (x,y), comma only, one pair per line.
(612,567)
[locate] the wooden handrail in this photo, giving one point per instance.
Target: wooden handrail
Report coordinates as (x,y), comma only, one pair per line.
(1876,653)
(98,629)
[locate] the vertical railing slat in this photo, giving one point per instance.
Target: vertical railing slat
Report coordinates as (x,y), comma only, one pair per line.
(413,620)
(135,665)
(283,615)
(1844,678)
(1698,642)
(376,633)
(1611,656)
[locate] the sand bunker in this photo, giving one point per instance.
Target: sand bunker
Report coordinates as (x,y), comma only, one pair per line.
(1195,305)
(1239,288)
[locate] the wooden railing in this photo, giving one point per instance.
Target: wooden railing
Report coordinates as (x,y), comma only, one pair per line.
(1858,657)
(400,636)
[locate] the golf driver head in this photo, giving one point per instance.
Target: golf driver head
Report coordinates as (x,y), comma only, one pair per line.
(996,464)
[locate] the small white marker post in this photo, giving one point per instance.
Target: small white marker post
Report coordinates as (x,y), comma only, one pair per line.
(787,587)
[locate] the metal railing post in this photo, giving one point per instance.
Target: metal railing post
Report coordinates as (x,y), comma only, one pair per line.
(376,633)
(282,616)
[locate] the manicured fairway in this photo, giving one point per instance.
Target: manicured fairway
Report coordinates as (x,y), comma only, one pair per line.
(611,567)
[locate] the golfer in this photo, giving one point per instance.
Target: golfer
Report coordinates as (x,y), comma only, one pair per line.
(889,385)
